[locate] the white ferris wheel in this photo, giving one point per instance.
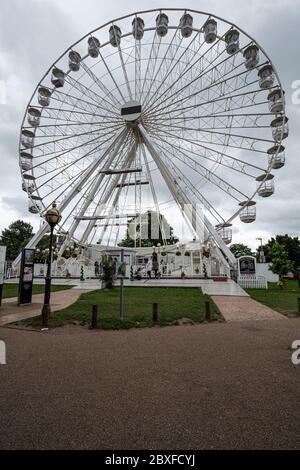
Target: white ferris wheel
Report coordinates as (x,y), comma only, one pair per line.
(152,111)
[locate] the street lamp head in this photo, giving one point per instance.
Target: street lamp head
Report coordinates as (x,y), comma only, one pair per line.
(53,216)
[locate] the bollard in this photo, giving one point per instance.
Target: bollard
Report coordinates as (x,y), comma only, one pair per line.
(155,312)
(207,310)
(299,305)
(94,321)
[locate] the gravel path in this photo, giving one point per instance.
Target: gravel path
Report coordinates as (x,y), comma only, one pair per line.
(244,309)
(229,385)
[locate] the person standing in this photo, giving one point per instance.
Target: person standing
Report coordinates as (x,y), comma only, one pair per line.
(149,268)
(96,266)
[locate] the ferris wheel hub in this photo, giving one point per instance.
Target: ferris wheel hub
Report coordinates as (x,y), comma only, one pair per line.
(131,111)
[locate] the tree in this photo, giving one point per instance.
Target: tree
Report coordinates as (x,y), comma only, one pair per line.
(291,246)
(108,270)
(149,230)
(15,238)
(280,262)
(238,249)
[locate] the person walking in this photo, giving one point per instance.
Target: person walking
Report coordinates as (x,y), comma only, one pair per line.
(149,268)
(155,267)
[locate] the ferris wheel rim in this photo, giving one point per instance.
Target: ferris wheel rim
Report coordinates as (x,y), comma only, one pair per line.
(283,113)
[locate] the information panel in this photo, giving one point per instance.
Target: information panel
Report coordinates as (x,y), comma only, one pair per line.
(247,265)
(26,276)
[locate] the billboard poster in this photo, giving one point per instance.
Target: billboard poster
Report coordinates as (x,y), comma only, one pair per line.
(2,267)
(120,269)
(26,276)
(247,265)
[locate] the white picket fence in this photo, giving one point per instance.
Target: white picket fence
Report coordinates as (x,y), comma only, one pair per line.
(253,282)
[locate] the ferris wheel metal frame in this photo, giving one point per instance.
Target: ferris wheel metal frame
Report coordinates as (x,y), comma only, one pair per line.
(152,132)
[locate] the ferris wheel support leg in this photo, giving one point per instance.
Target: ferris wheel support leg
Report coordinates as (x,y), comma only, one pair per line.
(106,197)
(115,147)
(72,193)
(176,192)
(117,196)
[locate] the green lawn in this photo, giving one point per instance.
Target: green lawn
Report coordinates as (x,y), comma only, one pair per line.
(173,304)
(11,290)
(284,301)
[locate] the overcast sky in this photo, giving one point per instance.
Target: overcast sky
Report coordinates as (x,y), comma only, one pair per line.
(33,33)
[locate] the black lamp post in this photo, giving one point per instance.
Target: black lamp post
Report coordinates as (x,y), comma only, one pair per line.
(53,217)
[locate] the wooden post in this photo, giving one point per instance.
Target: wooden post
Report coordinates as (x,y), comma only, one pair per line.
(207,310)
(94,321)
(155,312)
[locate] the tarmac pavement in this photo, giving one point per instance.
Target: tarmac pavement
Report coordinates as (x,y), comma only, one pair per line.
(208,386)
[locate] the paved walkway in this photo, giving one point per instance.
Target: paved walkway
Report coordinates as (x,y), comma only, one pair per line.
(244,309)
(208,286)
(11,312)
(208,386)
(229,288)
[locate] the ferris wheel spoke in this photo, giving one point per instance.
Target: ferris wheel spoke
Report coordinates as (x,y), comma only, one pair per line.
(74,136)
(221,95)
(70,125)
(220,183)
(218,138)
(123,66)
(137,70)
(108,69)
(108,105)
(222,104)
(151,63)
(67,151)
(225,103)
(201,141)
(209,57)
(191,71)
(62,188)
(64,136)
(91,152)
(223,121)
(72,116)
(213,155)
(207,81)
(181,61)
(169,55)
(107,93)
(77,102)
(216,124)
(220,158)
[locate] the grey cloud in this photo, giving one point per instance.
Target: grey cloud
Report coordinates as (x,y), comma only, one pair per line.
(34,33)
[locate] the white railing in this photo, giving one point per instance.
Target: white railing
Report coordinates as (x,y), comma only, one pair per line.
(11,273)
(253,282)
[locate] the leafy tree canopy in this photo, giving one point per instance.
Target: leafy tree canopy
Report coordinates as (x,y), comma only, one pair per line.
(290,244)
(149,230)
(280,262)
(15,238)
(238,249)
